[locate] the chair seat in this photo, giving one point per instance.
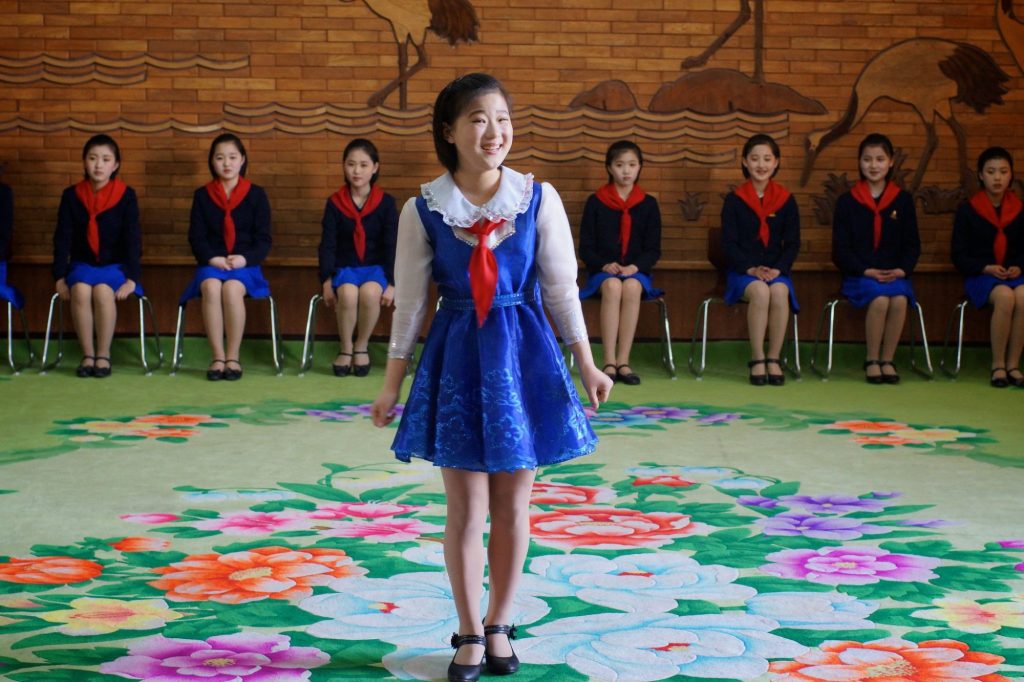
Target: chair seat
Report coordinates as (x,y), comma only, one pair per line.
(275,334)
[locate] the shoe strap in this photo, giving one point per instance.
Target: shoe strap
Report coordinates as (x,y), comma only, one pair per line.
(509,630)
(459,640)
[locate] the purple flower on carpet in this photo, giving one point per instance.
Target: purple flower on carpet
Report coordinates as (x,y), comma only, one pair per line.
(757,501)
(365,408)
(824,528)
(330,415)
(1012,544)
(926,523)
(719,418)
(243,657)
(850,566)
(833,504)
(1020,566)
(655,412)
(885,495)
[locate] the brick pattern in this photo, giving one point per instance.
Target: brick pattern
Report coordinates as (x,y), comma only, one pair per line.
(329,51)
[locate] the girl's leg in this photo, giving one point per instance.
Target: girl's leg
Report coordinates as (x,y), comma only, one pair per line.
(347,310)
(778,319)
(757,297)
(894,322)
(611,301)
(105,319)
(369,312)
(233,299)
(213,316)
(1016,343)
(874,327)
(1002,301)
(629,313)
(506,549)
(467,497)
(81,317)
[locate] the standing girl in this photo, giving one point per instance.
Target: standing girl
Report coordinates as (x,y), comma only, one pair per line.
(230,236)
(988,249)
(492,398)
(875,245)
(357,255)
(620,241)
(96,251)
(761,238)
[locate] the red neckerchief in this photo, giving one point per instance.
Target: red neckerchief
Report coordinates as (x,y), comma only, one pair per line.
(1009,209)
(216,191)
(342,200)
(609,196)
(483,269)
(96,203)
(861,192)
(775,197)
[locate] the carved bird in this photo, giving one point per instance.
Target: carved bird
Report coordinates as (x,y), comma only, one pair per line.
(452,20)
(1011,29)
(929,74)
(742,18)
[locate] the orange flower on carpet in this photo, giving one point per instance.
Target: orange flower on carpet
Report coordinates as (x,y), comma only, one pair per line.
(49,570)
(140,544)
(260,573)
(175,419)
(564,493)
(881,440)
(611,527)
(891,660)
(670,480)
(862,426)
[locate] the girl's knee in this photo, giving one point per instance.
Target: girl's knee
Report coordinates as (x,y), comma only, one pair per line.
(210,287)
(1002,298)
(757,293)
(632,289)
(233,291)
(611,287)
(81,292)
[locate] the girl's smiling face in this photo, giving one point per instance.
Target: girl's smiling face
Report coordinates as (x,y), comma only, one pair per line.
(761,163)
(625,169)
(875,164)
(482,134)
(359,169)
(227,161)
(99,164)
(996,176)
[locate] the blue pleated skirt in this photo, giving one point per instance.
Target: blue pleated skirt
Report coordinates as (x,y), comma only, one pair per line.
(979,287)
(863,290)
(111,275)
(360,275)
(256,285)
(7,292)
(736,284)
(593,285)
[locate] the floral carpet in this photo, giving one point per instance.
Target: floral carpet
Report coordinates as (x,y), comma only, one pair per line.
(276,540)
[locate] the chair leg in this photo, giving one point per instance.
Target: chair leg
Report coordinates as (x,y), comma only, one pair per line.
(666,339)
(275,337)
(146,304)
(794,368)
(830,310)
(958,313)
(11,361)
(928,372)
(700,324)
(306,360)
(44,367)
(179,350)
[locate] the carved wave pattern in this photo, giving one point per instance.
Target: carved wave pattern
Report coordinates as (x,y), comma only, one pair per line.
(98,68)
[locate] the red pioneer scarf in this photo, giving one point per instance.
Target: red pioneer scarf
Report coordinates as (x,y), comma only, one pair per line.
(861,192)
(775,197)
(96,203)
(342,200)
(483,269)
(216,191)
(609,196)
(1011,208)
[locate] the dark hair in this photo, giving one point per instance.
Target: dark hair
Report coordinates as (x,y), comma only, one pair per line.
(617,149)
(994,153)
(876,140)
(103,141)
(233,139)
(364,145)
(449,105)
(755,141)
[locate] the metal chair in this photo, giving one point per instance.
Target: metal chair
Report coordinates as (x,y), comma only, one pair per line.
(15,302)
(958,314)
(716,256)
(275,335)
(309,338)
(144,305)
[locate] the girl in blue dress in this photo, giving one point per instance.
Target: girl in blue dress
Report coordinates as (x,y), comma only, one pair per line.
(761,238)
(620,241)
(988,249)
(876,246)
(492,398)
(7,292)
(229,232)
(357,255)
(96,250)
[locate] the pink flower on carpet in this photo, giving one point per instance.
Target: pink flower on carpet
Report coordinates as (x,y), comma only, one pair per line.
(394,530)
(562,493)
(362,510)
(610,528)
(140,544)
(254,523)
(1012,544)
(850,566)
(149,518)
(670,480)
(48,570)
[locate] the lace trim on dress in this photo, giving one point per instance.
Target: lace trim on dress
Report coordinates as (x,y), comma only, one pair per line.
(512,198)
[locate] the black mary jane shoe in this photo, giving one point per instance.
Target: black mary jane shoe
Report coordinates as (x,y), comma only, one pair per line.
(629,378)
(1018,380)
(83,370)
(614,376)
(998,382)
(775,379)
(102,372)
(232,374)
(877,378)
(213,374)
(458,672)
(756,379)
(501,665)
(893,378)
(342,370)
(361,370)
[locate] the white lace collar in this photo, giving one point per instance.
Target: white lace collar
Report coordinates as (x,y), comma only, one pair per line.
(512,198)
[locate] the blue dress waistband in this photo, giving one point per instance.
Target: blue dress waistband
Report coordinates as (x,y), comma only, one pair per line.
(500,301)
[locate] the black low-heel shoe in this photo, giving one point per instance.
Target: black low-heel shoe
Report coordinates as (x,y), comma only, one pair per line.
(501,665)
(872,379)
(893,378)
(457,672)
(775,379)
(756,379)
(361,370)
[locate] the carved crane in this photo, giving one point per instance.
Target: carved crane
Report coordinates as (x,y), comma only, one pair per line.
(1011,29)
(742,18)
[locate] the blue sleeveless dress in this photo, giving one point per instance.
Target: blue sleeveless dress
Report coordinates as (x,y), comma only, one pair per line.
(496,398)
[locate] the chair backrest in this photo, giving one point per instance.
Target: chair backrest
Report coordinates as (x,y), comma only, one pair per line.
(716,254)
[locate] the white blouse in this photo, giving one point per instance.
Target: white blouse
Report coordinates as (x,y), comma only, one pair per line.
(555,255)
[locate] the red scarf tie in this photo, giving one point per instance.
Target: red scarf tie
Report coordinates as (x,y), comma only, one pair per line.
(775,197)
(1011,208)
(216,191)
(342,200)
(483,269)
(861,192)
(96,203)
(609,196)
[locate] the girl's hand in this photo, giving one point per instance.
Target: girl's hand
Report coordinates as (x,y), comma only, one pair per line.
(771,273)
(612,268)
(330,299)
(597,384)
(628,270)
(754,271)
(387,297)
(62,288)
(1013,272)
(383,409)
(125,290)
(874,273)
(995,270)
(236,261)
(220,262)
